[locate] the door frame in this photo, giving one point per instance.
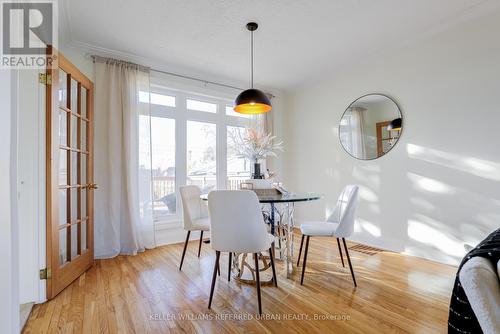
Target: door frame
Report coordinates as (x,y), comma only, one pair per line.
(31,164)
(380,145)
(53,287)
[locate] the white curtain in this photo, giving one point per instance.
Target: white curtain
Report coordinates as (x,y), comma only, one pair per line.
(358,132)
(123,222)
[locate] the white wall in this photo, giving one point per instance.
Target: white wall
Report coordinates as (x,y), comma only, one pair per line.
(31,185)
(78,58)
(9,305)
(439,187)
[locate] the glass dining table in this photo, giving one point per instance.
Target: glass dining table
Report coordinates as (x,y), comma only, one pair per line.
(285,223)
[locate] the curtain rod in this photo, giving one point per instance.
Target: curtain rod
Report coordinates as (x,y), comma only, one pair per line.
(204,81)
(196,79)
(94,57)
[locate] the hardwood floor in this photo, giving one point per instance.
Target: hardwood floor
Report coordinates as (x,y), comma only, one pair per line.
(148,294)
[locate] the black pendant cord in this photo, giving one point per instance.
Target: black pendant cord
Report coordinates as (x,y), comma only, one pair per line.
(252,100)
(251,56)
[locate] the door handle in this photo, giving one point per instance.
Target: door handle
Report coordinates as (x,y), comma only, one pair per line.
(92,186)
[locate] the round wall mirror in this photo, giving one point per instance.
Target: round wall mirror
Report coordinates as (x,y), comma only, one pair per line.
(370,126)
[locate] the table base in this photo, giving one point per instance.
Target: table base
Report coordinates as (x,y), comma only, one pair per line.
(245,270)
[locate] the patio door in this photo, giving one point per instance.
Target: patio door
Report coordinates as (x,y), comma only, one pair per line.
(69,136)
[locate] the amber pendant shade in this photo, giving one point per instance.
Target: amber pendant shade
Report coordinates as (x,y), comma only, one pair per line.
(252,101)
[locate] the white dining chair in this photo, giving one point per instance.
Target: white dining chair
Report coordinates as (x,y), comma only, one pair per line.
(340,224)
(195,215)
(238,227)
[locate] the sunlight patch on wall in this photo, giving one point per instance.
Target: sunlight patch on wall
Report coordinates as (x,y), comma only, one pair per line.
(489,219)
(430,185)
(422,203)
(367,194)
(429,235)
(369,175)
(478,167)
(366,226)
(374,208)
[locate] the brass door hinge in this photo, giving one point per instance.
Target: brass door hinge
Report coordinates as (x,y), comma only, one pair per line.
(45,273)
(45,78)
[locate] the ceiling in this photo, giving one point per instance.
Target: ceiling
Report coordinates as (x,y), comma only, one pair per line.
(296,42)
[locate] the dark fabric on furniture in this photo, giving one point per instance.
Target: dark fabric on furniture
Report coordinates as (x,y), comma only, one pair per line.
(461,318)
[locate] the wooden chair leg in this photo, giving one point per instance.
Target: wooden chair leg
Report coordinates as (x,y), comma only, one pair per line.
(199,246)
(214,277)
(340,251)
(304,261)
(300,249)
(229,268)
(184,251)
(349,260)
(257,277)
(271,256)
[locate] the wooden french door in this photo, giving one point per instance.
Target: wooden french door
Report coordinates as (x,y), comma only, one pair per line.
(70,247)
(385,138)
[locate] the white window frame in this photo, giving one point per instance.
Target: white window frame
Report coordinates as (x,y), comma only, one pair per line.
(182,115)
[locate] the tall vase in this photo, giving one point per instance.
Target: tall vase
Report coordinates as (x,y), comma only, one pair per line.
(256,171)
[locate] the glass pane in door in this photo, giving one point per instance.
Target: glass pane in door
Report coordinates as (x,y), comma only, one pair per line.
(63,255)
(74,131)
(74,168)
(63,214)
(74,96)
(74,204)
(63,91)
(83,163)
(84,136)
(84,203)
(74,241)
(84,235)
(63,128)
(83,110)
(63,167)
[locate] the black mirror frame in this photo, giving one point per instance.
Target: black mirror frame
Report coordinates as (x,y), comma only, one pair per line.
(400,133)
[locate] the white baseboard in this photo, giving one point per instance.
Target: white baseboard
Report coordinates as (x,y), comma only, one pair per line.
(24,310)
(173,233)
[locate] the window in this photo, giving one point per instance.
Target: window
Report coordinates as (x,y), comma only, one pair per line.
(193,142)
(163,165)
(159,99)
(238,169)
(202,155)
(201,106)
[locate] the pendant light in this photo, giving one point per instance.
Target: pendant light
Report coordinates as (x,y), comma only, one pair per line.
(252,101)
(395,125)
